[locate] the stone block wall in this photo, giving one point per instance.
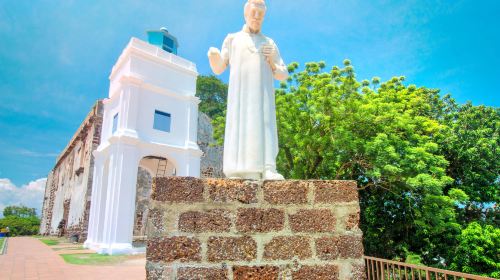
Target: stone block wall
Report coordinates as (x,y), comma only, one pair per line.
(236,229)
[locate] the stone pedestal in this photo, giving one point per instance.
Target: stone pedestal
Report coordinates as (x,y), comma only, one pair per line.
(236,229)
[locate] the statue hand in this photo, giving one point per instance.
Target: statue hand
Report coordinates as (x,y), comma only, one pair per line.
(217,64)
(213,52)
(269,51)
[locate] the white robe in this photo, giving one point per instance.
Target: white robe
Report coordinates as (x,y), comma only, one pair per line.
(251,138)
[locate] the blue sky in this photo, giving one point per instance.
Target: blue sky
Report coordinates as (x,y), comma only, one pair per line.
(56,56)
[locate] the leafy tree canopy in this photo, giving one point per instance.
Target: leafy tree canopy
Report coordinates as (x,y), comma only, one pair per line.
(478,250)
(383,136)
(20,220)
(213,95)
(19,211)
(471,146)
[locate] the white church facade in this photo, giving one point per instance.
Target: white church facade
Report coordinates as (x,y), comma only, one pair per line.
(150,122)
(151,111)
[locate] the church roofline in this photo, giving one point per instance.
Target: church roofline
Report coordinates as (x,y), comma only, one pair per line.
(95,112)
(139,47)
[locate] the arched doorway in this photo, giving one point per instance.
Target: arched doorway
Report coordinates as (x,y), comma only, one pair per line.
(149,167)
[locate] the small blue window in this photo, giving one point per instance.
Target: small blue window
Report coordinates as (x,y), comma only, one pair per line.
(168,42)
(115,123)
(162,121)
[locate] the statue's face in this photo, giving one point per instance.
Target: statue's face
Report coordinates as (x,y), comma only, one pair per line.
(254,15)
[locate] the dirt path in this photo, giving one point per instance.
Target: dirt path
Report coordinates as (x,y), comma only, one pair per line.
(28,258)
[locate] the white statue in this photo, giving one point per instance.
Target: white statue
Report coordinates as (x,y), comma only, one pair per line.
(251,138)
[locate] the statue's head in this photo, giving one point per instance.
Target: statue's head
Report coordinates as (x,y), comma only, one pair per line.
(255,10)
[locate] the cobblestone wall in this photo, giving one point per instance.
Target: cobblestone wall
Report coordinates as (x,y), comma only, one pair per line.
(235,229)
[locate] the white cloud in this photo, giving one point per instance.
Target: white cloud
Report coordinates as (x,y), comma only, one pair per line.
(29,153)
(30,195)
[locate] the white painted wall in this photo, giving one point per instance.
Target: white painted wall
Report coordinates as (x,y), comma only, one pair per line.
(144,79)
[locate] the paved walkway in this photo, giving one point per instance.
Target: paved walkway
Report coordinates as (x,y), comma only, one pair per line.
(28,258)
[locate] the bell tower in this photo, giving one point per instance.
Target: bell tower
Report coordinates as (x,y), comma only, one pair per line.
(151,111)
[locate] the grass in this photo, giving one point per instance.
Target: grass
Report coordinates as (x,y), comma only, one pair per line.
(414,259)
(93,259)
(69,248)
(49,242)
(2,243)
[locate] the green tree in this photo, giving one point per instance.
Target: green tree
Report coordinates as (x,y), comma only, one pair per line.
(213,95)
(19,211)
(478,251)
(20,225)
(471,147)
(332,126)
(20,220)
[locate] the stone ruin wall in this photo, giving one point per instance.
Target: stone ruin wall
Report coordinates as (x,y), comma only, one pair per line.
(143,194)
(48,204)
(211,160)
(69,184)
(235,229)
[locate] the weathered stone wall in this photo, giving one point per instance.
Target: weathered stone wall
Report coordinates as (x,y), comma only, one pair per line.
(69,185)
(211,160)
(48,203)
(142,198)
(235,229)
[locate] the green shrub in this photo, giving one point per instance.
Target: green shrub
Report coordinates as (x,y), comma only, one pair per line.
(478,251)
(21,226)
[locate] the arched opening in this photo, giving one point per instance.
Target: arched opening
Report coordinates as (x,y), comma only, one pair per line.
(149,167)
